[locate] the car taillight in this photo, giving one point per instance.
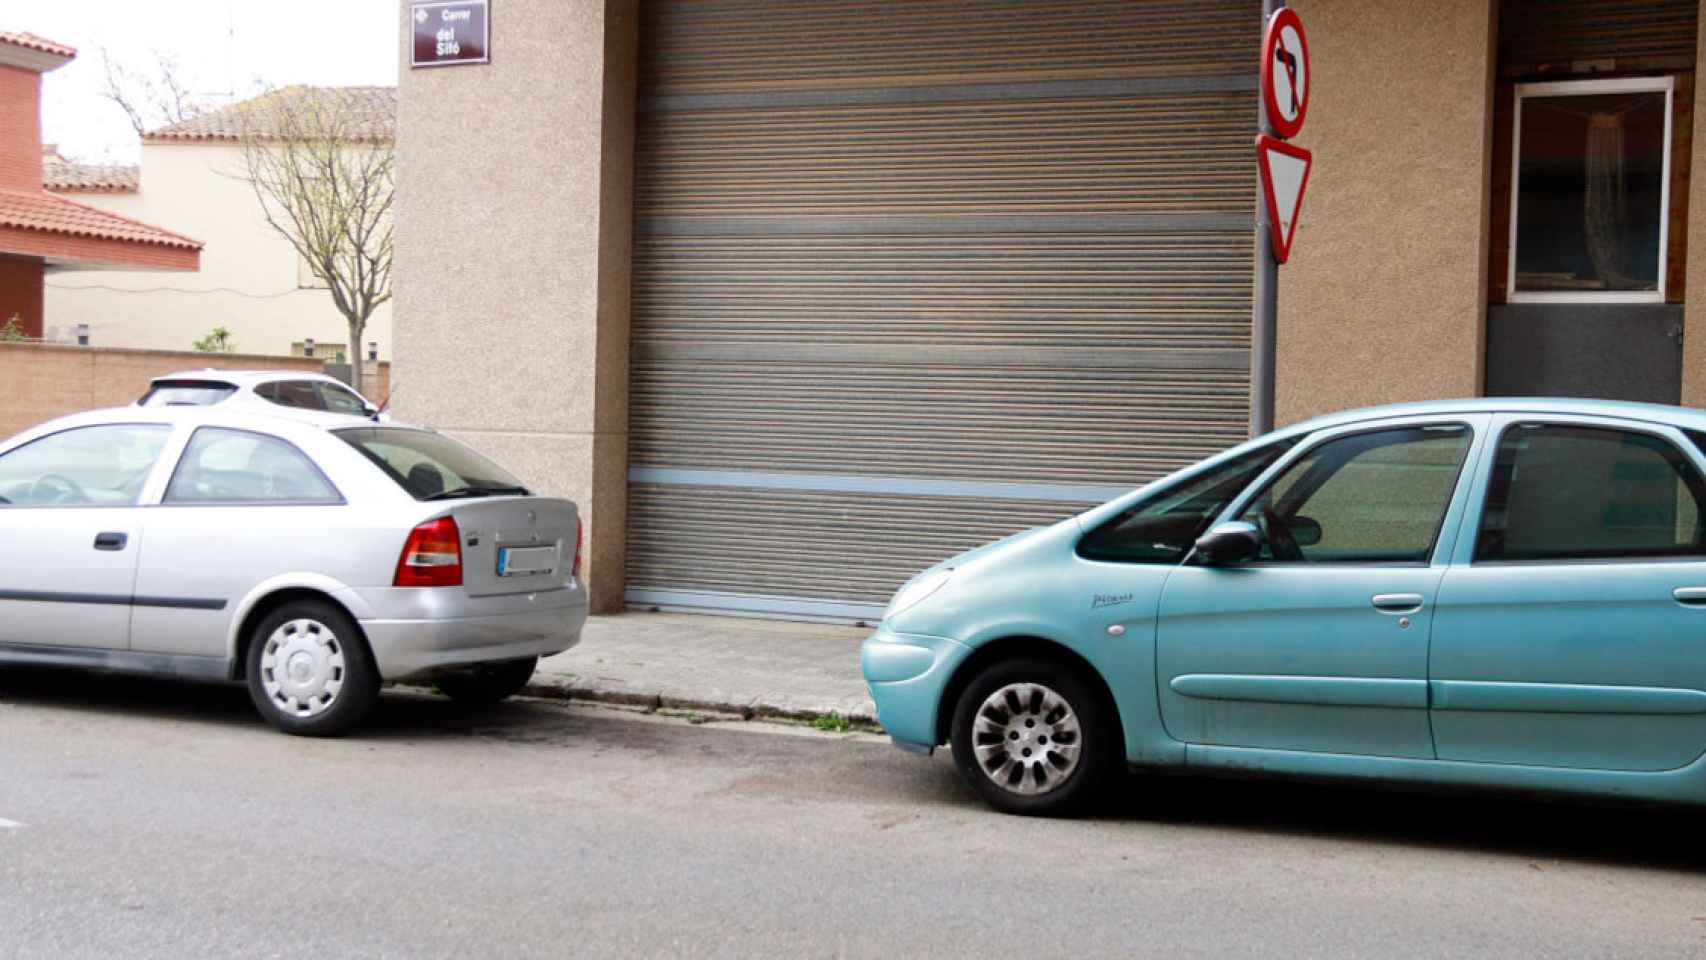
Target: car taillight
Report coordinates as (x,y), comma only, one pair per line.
(575,567)
(432,556)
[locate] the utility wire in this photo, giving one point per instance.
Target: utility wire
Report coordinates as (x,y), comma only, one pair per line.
(239,293)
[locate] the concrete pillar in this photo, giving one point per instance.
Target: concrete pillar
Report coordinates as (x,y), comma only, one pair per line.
(514,235)
(1384,298)
(1694,285)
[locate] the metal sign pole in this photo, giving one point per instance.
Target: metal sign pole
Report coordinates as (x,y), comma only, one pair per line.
(1262,322)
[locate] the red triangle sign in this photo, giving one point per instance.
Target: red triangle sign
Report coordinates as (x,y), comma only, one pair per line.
(1285,172)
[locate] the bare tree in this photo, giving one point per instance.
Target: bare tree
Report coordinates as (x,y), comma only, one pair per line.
(152,96)
(321,163)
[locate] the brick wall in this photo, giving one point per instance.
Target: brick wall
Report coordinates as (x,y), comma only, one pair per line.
(20,121)
(376,381)
(21,294)
(41,381)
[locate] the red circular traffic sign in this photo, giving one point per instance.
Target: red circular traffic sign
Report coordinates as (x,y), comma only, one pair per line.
(1285,73)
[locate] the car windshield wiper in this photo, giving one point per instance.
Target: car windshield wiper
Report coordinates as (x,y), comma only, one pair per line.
(462,493)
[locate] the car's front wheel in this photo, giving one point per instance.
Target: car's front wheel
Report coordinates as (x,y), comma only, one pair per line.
(488,682)
(309,670)
(1031,738)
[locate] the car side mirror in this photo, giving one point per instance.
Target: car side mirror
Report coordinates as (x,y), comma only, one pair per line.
(1230,542)
(1306,531)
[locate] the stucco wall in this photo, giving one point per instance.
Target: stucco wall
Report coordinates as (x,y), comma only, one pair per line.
(248,282)
(1385,295)
(44,381)
(513,238)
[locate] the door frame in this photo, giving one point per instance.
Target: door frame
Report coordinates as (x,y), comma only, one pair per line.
(1479,423)
(1462,552)
(1565,707)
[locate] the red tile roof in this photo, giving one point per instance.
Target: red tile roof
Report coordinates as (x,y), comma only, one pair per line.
(30,41)
(370,111)
(60,175)
(51,214)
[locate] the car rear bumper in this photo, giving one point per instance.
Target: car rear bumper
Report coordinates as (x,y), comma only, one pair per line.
(907,675)
(484,630)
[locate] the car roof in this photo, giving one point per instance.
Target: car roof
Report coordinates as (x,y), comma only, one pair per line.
(1683,417)
(281,420)
(247,378)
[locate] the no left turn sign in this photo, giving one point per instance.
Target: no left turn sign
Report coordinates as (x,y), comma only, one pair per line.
(1285,73)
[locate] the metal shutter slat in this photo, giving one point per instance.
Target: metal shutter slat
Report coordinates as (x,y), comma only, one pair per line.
(920,241)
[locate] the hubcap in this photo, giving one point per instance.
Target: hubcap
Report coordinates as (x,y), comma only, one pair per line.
(1026,738)
(302,668)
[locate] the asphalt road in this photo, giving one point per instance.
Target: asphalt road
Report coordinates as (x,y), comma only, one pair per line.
(164,820)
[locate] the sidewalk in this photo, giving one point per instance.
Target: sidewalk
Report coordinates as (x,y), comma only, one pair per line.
(722,664)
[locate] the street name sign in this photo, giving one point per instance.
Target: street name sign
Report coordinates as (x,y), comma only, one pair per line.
(1285,172)
(445,33)
(1285,73)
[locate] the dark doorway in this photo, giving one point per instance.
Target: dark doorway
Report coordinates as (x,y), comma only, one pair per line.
(1611,351)
(1592,142)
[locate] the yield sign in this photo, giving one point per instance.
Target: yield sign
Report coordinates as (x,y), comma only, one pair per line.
(1285,172)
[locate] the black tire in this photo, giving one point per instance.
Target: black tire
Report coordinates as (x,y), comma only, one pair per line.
(1062,795)
(326,713)
(487,682)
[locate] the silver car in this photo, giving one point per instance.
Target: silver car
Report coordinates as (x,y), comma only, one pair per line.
(310,555)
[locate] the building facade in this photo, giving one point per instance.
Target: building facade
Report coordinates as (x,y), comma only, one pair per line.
(42,234)
(252,281)
(795,300)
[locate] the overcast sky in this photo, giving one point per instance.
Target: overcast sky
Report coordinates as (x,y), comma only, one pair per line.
(222,45)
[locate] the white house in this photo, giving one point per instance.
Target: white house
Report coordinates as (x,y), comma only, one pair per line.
(251,281)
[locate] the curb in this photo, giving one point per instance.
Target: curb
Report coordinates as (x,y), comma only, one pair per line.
(661,701)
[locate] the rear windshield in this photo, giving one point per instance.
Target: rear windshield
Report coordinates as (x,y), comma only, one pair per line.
(431,466)
(314,395)
(186,393)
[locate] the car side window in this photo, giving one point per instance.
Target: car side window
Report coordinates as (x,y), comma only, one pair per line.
(339,400)
(301,394)
(103,466)
(236,466)
(1568,492)
(1164,527)
(1374,497)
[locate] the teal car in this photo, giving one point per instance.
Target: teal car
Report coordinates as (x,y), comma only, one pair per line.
(1502,593)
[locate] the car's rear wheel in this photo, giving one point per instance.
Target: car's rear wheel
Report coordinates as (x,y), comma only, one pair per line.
(487,682)
(1031,738)
(309,670)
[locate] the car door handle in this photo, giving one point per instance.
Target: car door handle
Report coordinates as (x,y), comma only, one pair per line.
(1690,596)
(111,540)
(1397,602)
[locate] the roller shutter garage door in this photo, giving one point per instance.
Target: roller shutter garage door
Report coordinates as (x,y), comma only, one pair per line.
(912,276)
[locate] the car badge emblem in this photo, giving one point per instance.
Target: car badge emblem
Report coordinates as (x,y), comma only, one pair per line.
(532,518)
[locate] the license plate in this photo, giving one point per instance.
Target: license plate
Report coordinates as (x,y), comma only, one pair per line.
(526,561)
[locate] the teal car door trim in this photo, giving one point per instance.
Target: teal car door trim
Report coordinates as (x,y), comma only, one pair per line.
(1332,691)
(1564,698)
(1685,784)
